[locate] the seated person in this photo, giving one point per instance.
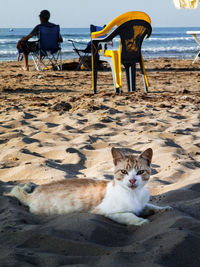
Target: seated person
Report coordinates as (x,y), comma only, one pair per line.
(26,46)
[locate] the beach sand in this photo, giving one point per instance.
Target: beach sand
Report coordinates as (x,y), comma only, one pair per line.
(52,127)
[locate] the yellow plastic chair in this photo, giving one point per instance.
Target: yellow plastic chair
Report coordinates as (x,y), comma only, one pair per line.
(132,28)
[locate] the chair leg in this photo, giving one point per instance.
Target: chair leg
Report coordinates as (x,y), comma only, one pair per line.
(117,90)
(144,75)
(95,59)
(94,74)
(34,58)
(112,57)
(145,85)
(196,58)
(60,54)
(110,60)
(82,62)
(57,61)
(117,72)
(95,80)
(131,76)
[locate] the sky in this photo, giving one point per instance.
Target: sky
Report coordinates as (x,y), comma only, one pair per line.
(82,13)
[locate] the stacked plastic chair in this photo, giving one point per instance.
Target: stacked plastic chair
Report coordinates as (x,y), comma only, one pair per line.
(132,28)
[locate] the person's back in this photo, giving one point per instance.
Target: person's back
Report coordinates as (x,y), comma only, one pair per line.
(35,31)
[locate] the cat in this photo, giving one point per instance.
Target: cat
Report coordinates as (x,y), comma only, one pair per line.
(122,199)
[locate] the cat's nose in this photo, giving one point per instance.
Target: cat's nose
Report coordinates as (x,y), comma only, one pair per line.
(132,181)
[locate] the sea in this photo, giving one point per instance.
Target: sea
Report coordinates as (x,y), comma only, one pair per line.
(163,42)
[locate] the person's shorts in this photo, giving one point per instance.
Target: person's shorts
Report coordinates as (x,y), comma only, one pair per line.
(27,47)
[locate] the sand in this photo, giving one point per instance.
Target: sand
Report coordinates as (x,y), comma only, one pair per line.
(52,127)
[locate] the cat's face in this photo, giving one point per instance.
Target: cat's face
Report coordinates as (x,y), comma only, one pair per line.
(131,171)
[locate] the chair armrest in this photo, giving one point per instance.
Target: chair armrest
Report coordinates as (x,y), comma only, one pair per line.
(131,15)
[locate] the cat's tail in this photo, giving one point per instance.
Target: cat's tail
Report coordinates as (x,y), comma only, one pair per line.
(21,195)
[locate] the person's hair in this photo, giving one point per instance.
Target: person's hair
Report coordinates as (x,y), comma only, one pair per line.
(45,14)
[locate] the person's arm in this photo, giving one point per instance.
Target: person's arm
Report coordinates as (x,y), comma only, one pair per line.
(27,37)
(24,39)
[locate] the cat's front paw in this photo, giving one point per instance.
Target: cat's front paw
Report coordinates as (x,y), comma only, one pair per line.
(141,222)
(166,208)
(28,187)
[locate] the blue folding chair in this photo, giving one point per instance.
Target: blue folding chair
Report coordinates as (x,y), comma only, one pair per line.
(49,50)
(84,54)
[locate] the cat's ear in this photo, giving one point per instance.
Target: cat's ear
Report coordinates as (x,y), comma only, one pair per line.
(147,155)
(117,155)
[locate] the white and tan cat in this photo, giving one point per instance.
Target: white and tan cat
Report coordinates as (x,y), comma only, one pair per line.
(123,199)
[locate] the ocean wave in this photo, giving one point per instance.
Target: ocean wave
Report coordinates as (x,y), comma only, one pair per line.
(171,48)
(8,52)
(144,49)
(8,41)
(170,39)
(78,40)
(67,51)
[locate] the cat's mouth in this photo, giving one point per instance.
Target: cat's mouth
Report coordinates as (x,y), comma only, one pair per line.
(132,186)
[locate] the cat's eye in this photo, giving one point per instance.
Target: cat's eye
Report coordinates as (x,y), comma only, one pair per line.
(124,172)
(140,172)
